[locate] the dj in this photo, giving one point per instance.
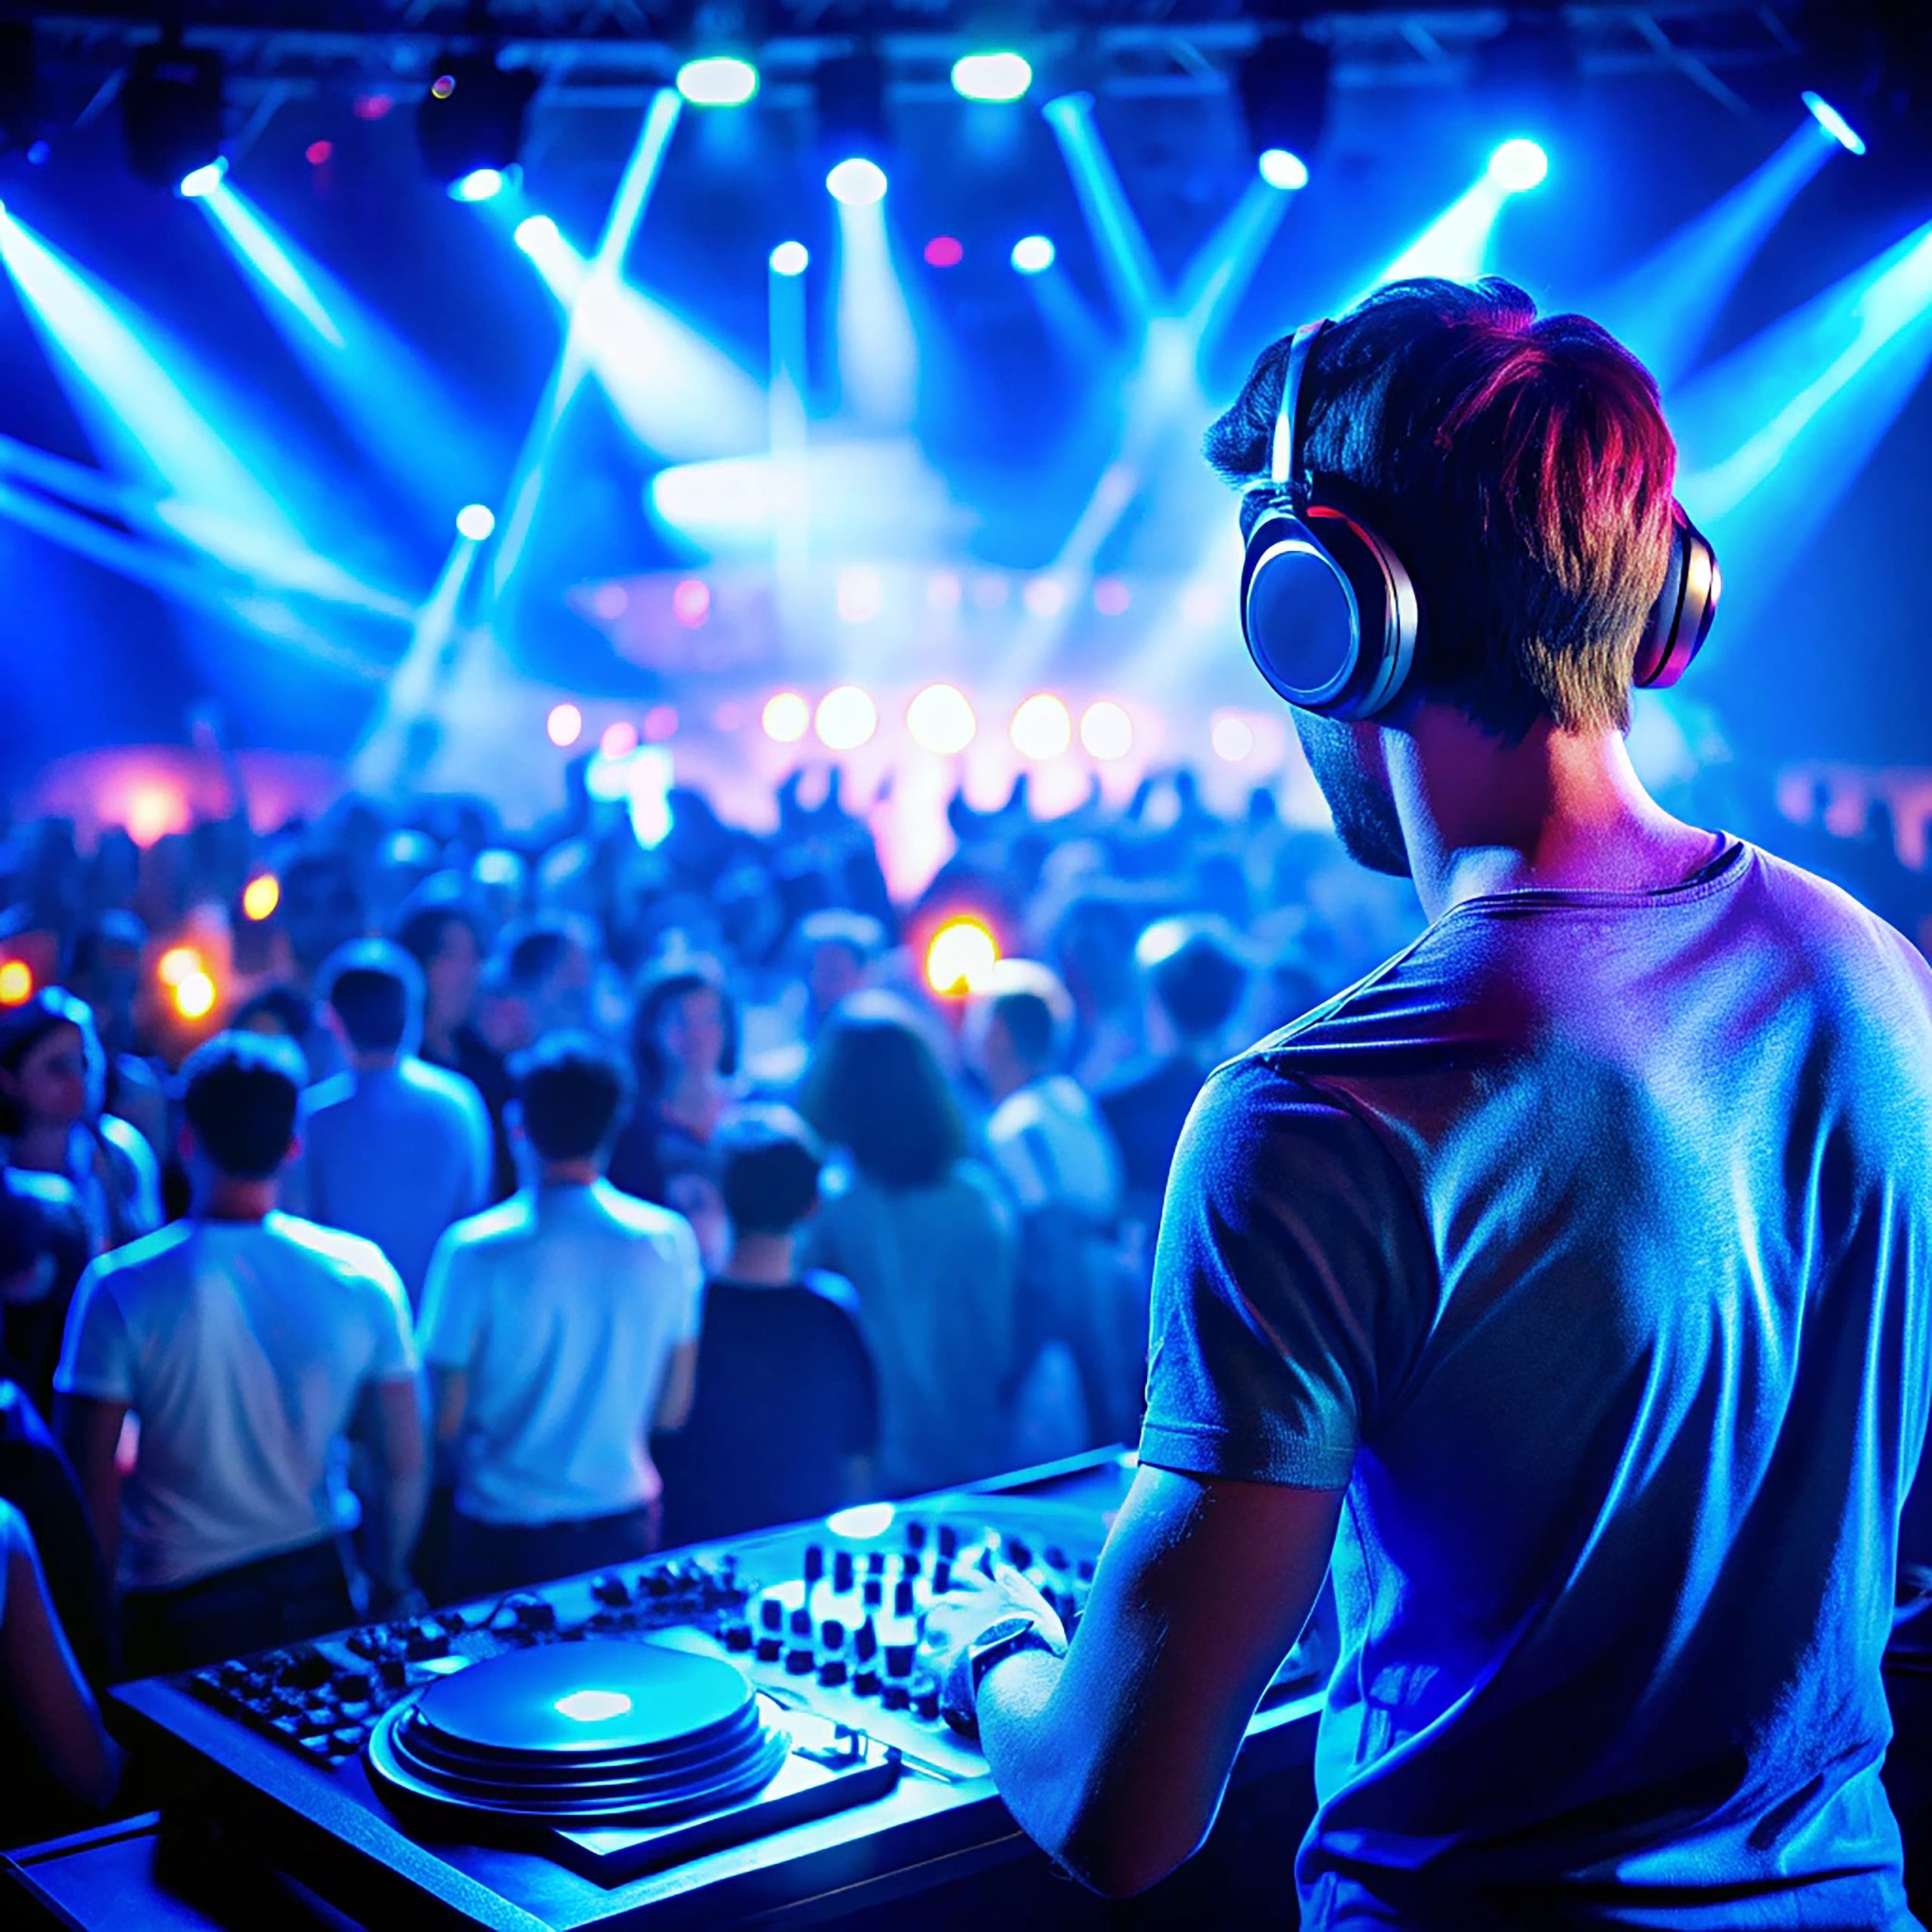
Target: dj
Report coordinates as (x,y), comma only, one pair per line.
(1568,1282)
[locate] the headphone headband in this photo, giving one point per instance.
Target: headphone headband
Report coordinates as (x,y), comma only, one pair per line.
(1285,453)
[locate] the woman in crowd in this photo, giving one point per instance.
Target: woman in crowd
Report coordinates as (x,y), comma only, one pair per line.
(52,1072)
(684,1052)
(925,1236)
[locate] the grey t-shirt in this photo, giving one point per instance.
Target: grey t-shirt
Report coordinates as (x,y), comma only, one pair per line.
(1588,1244)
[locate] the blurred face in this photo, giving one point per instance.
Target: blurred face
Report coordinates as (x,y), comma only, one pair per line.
(451,975)
(692,1032)
(50,1086)
(835,971)
(1348,763)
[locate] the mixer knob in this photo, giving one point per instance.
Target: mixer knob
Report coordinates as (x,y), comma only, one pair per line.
(942,1577)
(771,1614)
(611,1590)
(898,1659)
(908,1564)
(769,1649)
(737,1636)
(656,1583)
(1019,1555)
(831,1672)
(1053,1557)
(1085,1571)
(393,1672)
(902,1597)
(875,1561)
(925,1699)
(949,1540)
(916,1534)
(801,1623)
(865,1641)
(865,1683)
(832,1634)
(353,1686)
(841,1571)
(814,1563)
(895,1697)
(535,1613)
(875,1593)
(798,1661)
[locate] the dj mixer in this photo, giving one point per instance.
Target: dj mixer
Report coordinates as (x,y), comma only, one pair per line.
(716,1735)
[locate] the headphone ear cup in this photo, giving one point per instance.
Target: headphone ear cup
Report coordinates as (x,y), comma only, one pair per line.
(1680,620)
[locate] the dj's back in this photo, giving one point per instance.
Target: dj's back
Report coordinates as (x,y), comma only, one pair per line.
(1624,1345)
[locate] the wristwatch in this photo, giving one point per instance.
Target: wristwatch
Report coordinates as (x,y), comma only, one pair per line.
(1006,1636)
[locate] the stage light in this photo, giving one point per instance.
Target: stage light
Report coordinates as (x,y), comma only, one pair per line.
(176,964)
(536,232)
(620,739)
(790,258)
(1518,165)
(846,718)
(564,725)
(1283,84)
(170,110)
(690,602)
(660,722)
(16,983)
(260,897)
(1282,168)
(194,996)
(857,182)
(1833,122)
(470,123)
(1042,727)
(477,521)
(480,184)
(1233,738)
(960,957)
(786,718)
(1032,254)
(203,180)
(1106,730)
(992,76)
(1044,596)
(940,720)
(944,251)
(718,80)
(318,153)
(1112,597)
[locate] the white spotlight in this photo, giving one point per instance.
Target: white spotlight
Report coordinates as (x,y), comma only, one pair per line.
(476,521)
(857,182)
(790,258)
(847,717)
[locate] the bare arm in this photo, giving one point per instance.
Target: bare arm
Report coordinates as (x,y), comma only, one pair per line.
(46,1692)
(450,1388)
(1114,1759)
(680,1388)
(90,1431)
(390,1422)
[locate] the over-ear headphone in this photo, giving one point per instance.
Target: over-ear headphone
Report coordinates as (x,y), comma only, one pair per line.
(1328,608)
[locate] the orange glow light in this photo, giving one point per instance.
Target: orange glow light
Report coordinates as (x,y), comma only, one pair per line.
(261,896)
(961,957)
(16,983)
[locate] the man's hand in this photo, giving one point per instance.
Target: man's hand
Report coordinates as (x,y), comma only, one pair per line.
(956,1621)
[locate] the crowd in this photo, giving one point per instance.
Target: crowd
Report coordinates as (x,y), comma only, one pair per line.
(517,1205)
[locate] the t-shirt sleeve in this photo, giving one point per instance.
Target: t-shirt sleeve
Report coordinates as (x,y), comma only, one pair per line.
(96,1351)
(1292,1284)
(395,1353)
(452,1316)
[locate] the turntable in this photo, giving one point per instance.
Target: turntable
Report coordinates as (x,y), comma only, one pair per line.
(617,1758)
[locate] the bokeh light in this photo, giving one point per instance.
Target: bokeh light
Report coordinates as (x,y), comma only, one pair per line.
(480,184)
(845,719)
(1112,597)
(1517,165)
(620,738)
(477,521)
(940,720)
(857,182)
(319,153)
(718,80)
(860,594)
(961,957)
(177,963)
(1232,736)
(998,76)
(1042,727)
(261,896)
(1106,730)
(201,181)
(791,258)
(16,983)
(564,724)
(660,722)
(1044,596)
(690,602)
(787,718)
(194,996)
(944,251)
(1833,123)
(1282,169)
(1032,253)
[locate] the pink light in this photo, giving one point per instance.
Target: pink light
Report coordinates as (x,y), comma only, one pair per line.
(372,106)
(943,251)
(564,726)
(317,152)
(618,740)
(153,810)
(610,601)
(1112,597)
(944,591)
(690,602)
(660,722)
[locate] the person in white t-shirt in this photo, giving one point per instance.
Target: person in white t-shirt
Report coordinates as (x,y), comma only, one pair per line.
(246,1344)
(560,1328)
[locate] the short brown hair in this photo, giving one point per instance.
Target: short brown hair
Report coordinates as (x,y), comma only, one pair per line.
(1522,469)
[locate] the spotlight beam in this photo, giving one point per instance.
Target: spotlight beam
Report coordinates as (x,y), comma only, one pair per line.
(878,352)
(620,226)
(790,445)
(1220,274)
(1125,257)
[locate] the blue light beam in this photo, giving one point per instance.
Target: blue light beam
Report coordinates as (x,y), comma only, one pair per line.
(879,355)
(1125,258)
